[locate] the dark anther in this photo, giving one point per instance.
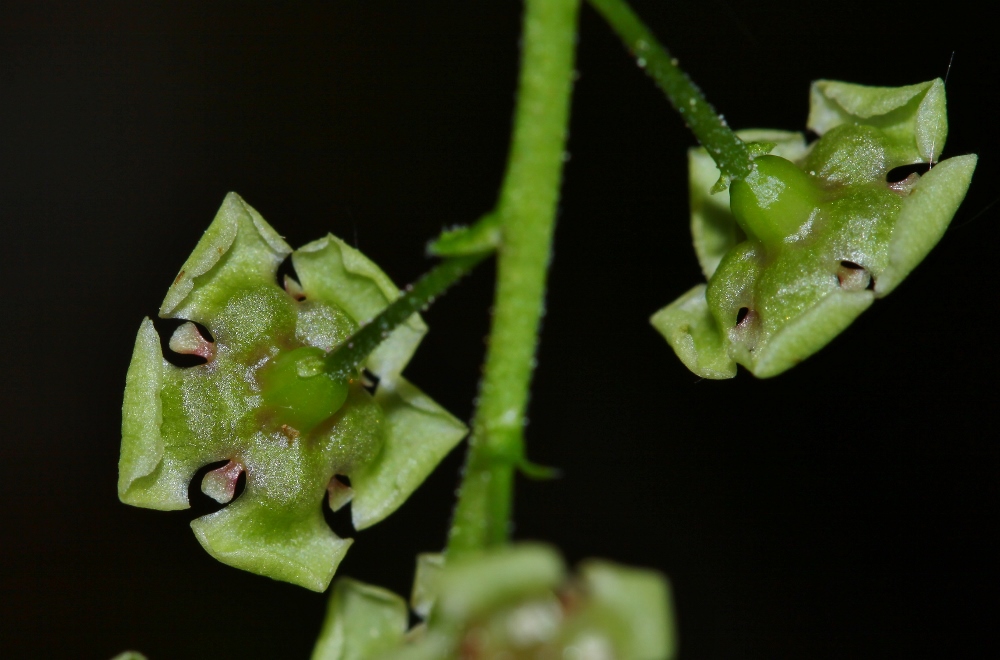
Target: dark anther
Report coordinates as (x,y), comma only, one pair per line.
(369,381)
(742,314)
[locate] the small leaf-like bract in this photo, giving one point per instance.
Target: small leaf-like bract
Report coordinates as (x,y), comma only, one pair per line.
(804,244)
(263,404)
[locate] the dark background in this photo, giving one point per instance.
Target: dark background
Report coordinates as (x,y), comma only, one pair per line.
(845,509)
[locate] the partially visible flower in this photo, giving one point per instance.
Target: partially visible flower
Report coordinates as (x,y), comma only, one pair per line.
(263,404)
(512,602)
(799,248)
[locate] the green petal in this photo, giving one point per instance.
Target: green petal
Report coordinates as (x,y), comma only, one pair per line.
(914,117)
(361,622)
(332,271)
(238,250)
(927,211)
(809,331)
(419,433)
(691,330)
(294,545)
(142,414)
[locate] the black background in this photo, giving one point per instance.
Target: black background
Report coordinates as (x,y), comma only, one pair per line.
(845,509)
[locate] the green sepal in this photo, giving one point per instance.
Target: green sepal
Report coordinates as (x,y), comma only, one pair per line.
(235,407)
(332,271)
(362,621)
(238,250)
(913,118)
(776,296)
(142,444)
(689,328)
(249,535)
(419,433)
(925,216)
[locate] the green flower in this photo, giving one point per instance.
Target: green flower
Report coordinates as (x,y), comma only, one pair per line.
(263,403)
(799,248)
(513,602)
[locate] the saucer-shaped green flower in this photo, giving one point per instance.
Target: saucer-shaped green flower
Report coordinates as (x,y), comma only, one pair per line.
(795,251)
(262,402)
(512,602)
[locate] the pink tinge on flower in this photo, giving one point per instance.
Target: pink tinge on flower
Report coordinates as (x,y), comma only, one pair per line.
(220,484)
(339,493)
(294,289)
(187,339)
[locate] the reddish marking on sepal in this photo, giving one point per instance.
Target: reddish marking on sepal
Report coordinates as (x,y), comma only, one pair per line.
(339,493)
(188,340)
(906,185)
(294,289)
(220,484)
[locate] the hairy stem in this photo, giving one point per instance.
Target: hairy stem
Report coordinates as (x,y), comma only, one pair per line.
(343,363)
(526,209)
(729,152)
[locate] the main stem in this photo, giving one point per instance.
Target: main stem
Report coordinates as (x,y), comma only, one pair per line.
(727,150)
(527,210)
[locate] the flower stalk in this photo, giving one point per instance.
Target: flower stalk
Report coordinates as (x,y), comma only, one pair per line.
(343,363)
(526,211)
(730,153)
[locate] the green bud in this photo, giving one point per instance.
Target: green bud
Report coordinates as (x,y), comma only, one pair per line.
(263,404)
(801,247)
(776,202)
(297,392)
(514,601)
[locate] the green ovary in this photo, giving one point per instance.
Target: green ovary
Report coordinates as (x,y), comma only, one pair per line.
(775,201)
(298,392)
